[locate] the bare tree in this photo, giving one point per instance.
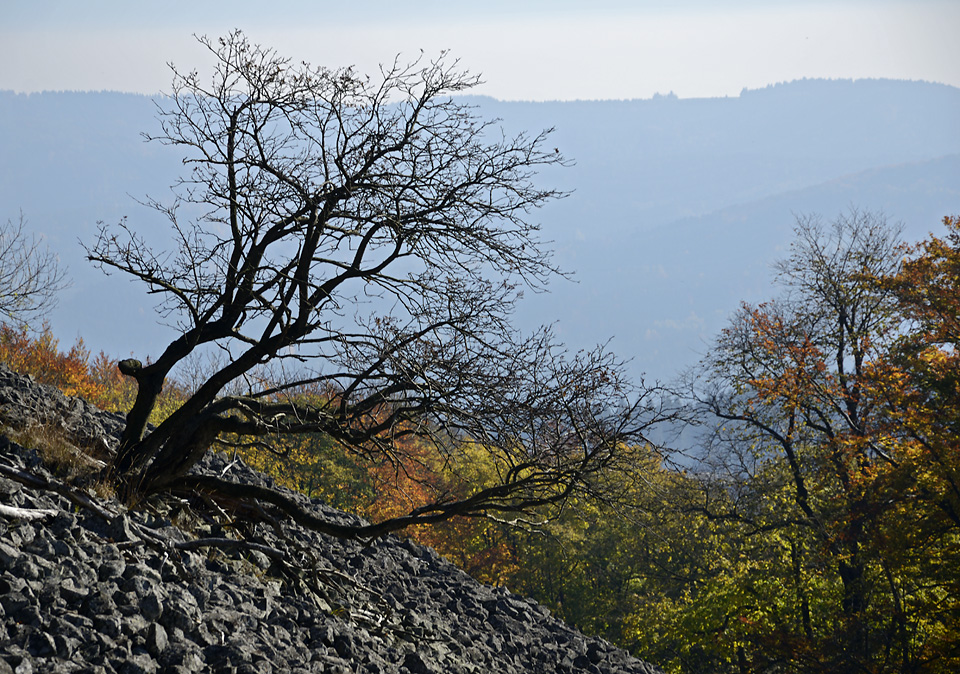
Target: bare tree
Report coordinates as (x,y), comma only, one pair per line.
(30,274)
(370,236)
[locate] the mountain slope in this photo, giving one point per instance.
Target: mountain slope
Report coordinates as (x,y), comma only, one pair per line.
(677,206)
(104,589)
(663,294)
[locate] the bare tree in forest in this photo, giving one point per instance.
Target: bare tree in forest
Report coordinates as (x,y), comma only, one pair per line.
(30,274)
(372,237)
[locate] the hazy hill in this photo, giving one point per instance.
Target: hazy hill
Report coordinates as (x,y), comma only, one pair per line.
(679,205)
(665,292)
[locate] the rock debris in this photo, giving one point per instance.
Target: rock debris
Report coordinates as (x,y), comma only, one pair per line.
(152,590)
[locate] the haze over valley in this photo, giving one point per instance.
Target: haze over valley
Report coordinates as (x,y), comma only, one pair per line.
(677,206)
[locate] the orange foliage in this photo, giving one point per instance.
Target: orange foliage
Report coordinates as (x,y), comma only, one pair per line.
(309,463)
(920,380)
(800,365)
(98,381)
(410,474)
(928,287)
(40,357)
(419,474)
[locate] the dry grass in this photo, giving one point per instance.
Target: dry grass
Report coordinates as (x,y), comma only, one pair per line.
(61,457)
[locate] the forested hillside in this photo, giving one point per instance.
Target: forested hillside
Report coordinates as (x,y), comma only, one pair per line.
(814,529)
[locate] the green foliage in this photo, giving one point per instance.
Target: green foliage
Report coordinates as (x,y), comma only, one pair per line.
(314,465)
(97,380)
(828,479)
(819,533)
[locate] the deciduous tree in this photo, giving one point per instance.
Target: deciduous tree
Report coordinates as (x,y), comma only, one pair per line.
(368,237)
(788,386)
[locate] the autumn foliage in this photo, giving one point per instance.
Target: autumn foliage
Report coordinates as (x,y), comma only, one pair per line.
(819,530)
(834,454)
(74,371)
(40,356)
(310,463)
(412,476)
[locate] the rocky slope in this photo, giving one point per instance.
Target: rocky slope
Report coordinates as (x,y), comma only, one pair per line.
(92,587)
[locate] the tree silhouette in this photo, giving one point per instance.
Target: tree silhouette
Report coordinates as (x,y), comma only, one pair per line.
(366,238)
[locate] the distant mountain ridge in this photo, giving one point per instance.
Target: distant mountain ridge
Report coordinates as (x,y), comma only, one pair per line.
(678,206)
(659,160)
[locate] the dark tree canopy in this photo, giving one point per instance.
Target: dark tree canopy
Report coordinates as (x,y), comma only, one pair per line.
(367,238)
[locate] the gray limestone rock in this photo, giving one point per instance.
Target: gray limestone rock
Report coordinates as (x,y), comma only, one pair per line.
(79,594)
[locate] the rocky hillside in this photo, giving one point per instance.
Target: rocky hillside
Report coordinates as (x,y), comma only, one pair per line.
(88,586)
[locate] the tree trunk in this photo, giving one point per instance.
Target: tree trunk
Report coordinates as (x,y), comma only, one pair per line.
(854,604)
(149,386)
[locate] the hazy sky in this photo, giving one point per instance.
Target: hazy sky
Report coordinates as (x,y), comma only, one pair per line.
(539,50)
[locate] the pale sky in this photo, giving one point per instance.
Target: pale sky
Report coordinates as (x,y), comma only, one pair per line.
(536,50)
